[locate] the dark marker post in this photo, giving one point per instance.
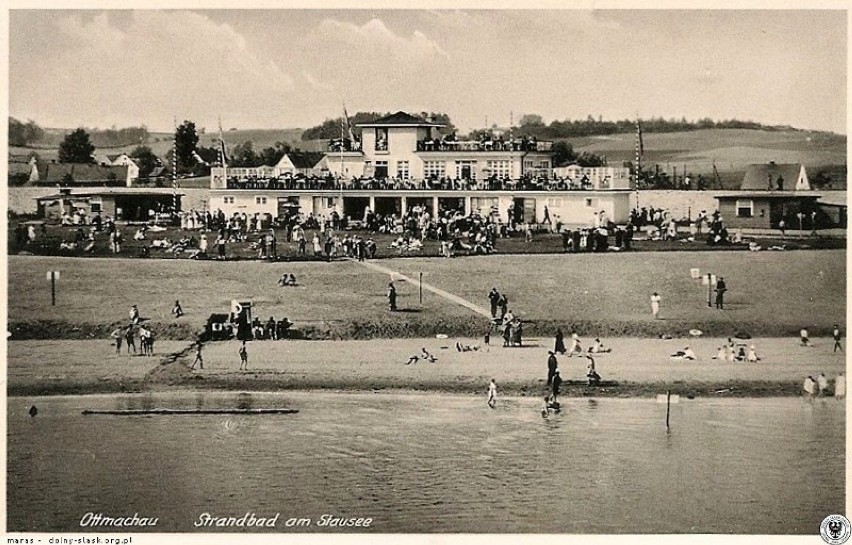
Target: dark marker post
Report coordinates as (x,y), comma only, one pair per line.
(53,276)
(668,407)
(709,290)
(421,288)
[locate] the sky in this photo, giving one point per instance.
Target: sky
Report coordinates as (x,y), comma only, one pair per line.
(296,68)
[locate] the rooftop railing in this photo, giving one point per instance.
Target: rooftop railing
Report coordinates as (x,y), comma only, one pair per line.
(395,184)
(484,145)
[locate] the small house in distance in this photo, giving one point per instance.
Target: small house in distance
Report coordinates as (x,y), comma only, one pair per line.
(774,176)
(120,203)
(770,193)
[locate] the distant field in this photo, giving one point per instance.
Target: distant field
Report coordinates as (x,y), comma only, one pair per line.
(731,149)
(771,294)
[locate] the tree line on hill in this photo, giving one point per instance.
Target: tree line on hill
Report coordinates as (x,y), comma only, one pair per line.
(31,134)
(533,125)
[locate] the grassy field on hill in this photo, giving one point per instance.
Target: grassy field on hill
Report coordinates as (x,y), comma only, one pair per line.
(771,294)
(731,149)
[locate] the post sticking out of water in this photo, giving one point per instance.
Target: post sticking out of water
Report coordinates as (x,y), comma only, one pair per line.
(668,407)
(421,288)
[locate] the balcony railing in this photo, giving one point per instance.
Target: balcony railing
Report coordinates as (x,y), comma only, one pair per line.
(484,145)
(394,184)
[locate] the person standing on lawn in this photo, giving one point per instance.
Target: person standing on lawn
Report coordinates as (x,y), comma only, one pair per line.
(721,288)
(494,298)
(391,296)
(836,335)
(655,304)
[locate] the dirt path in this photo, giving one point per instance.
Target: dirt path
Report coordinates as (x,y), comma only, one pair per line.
(428,287)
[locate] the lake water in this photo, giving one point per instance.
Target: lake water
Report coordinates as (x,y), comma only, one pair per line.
(432,463)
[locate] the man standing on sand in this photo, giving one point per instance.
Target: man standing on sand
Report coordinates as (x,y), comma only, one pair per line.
(804,338)
(721,288)
(117,336)
(492,394)
(559,345)
(655,304)
(557,382)
(552,364)
(198,359)
(243,357)
(131,341)
(836,335)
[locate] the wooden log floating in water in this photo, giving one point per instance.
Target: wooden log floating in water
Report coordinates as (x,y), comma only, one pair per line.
(135,412)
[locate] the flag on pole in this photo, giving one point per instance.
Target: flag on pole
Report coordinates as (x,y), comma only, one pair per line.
(348,124)
(223,154)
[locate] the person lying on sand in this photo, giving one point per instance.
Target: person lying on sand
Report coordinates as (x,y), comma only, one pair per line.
(598,348)
(466,347)
(427,356)
(685,354)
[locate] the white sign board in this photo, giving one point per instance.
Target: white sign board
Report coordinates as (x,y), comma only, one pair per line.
(694,273)
(55,275)
(712,280)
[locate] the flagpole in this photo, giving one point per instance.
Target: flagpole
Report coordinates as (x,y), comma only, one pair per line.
(638,164)
(174,169)
(222,152)
(341,159)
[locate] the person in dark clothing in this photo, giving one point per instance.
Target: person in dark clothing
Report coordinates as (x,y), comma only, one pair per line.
(556,383)
(721,288)
(560,343)
(575,240)
(507,334)
(391,296)
(130,339)
(503,303)
(552,364)
(836,335)
(361,250)
(494,298)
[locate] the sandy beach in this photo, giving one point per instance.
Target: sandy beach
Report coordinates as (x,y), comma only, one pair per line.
(635,367)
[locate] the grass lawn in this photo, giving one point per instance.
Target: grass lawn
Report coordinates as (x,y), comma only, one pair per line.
(770,293)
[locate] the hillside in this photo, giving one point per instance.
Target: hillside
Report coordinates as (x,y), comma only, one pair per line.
(731,149)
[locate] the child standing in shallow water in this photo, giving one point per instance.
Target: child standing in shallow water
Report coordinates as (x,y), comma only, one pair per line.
(492,394)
